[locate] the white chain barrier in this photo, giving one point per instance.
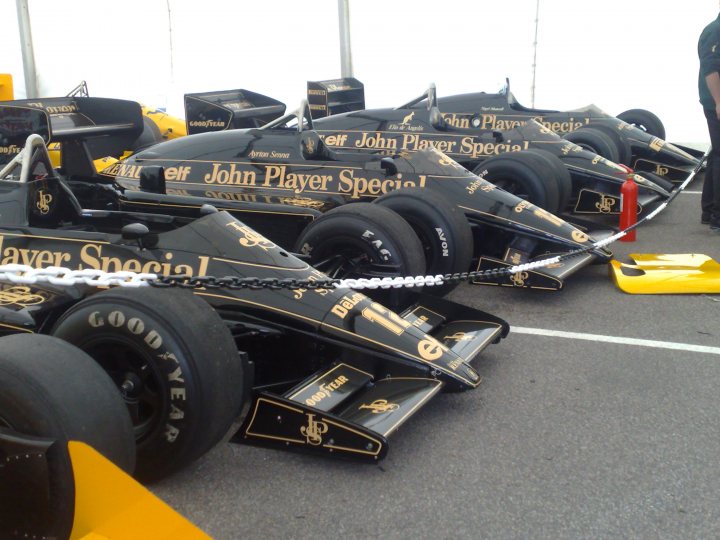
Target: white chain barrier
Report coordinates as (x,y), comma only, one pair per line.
(57,275)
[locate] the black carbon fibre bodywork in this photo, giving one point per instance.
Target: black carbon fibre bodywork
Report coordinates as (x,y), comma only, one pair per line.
(471,140)
(286,336)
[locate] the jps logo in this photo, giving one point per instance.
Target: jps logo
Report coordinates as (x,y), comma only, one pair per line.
(250,238)
(380,406)
(662,171)
(43,201)
(605,205)
(19,296)
(314,431)
(519,278)
(459,336)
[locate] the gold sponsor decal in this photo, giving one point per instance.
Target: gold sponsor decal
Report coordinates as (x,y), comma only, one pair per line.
(519,278)
(422,319)
(316,92)
(407,119)
(380,406)
(605,205)
(346,303)
(460,336)
(249,238)
(93,256)
(57,109)
(20,296)
(430,349)
(579,236)
(522,205)
(325,390)
(207,123)
(314,430)
(43,200)
(547,216)
(11,149)
(662,171)
(570,147)
(656,144)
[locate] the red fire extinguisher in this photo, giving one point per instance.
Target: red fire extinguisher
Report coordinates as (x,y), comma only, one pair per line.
(628,207)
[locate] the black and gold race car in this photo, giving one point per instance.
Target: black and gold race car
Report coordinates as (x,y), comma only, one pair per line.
(525,156)
(635,137)
(318,368)
(428,214)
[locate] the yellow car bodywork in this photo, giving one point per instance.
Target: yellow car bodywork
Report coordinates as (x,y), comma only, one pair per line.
(110,505)
(683,273)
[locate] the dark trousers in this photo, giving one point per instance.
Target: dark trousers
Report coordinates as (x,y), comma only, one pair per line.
(710,200)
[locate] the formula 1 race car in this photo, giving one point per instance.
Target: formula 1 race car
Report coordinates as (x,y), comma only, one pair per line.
(325,369)
(430,216)
(635,137)
(527,158)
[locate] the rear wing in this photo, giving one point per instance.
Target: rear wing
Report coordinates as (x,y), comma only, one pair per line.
(16,124)
(88,127)
(335,96)
(229,109)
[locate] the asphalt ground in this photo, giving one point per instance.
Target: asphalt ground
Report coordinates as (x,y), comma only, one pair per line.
(565,438)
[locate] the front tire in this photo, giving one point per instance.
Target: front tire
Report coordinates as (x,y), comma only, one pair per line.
(595,141)
(50,389)
(442,228)
(364,240)
(175,363)
(515,173)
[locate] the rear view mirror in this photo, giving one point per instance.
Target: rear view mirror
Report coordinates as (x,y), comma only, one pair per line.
(152,179)
(388,165)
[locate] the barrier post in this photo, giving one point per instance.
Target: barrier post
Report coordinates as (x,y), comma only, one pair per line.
(628,207)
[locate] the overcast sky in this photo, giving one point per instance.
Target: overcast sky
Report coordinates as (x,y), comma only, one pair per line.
(617,54)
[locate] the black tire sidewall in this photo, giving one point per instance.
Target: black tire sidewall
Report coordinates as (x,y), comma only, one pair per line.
(187,353)
(653,124)
(621,143)
(596,141)
(371,229)
(48,388)
(441,226)
(518,167)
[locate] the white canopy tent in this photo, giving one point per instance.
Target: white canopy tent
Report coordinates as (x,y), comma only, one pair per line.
(616,54)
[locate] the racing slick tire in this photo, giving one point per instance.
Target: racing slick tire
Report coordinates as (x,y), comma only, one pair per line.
(174,362)
(442,228)
(50,389)
(596,141)
(621,143)
(644,120)
(346,242)
(562,174)
(515,172)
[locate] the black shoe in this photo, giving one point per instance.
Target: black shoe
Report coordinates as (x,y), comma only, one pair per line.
(715,227)
(705,218)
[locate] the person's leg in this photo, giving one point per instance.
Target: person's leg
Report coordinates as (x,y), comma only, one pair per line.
(710,199)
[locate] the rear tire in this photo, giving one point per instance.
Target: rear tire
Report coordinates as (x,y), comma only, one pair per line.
(348,241)
(595,141)
(621,143)
(515,173)
(644,120)
(50,389)
(175,363)
(442,228)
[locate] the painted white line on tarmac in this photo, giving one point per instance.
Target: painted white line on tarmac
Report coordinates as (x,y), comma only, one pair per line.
(687,192)
(615,339)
